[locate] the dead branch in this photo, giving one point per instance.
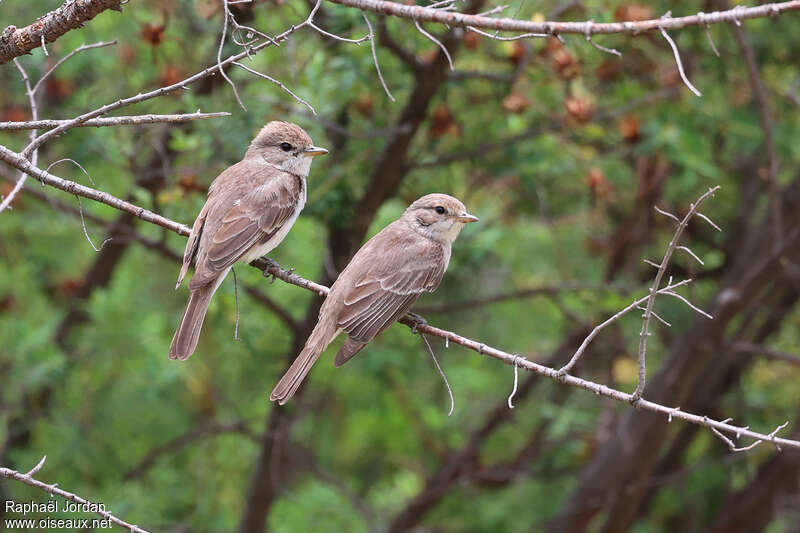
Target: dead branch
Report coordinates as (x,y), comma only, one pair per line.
(72,14)
(270,268)
(53,490)
(451,19)
(134,120)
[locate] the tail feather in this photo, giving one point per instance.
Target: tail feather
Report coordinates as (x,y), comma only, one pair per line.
(348,350)
(186,336)
(319,339)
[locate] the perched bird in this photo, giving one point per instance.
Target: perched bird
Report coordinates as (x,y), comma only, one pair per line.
(382,282)
(250,208)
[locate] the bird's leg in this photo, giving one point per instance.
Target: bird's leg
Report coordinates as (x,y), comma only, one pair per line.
(418,321)
(271,263)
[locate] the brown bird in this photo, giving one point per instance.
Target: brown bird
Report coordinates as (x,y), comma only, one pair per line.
(381,283)
(250,208)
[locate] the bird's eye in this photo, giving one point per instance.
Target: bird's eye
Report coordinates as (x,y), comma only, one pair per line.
(439,209)
(286,147)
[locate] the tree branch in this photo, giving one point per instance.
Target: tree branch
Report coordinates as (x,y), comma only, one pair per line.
(181,441)
(588,28)
(71,15)
(133,120)
(270,268)
(54,490)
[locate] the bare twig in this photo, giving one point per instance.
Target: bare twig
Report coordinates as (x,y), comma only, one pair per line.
(133,120)
(500,38)
(589,338)
(702,16)
(753,444)
(428,14)
(34,155)
(220,68)
(53,490)
(375,58)
(678,61)
(435,41)
(613,51)
(516,384)
(276,82)
(18,161)
(64,59)
(654,290)
(441,373)
(336,37)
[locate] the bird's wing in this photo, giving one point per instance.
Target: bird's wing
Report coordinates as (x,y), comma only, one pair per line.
(388,289)
(253,219)
(191,245)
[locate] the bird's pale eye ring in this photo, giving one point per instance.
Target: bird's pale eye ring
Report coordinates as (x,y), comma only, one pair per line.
(286,147)
(439,209)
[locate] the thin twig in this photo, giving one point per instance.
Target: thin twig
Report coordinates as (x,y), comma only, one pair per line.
(276,82)
(375,58)
(133,120)
(441,373)
(499,38)
(679,63)
(53,490)
(564,370)
(516,384)
(226,16)
(32,156)
(613,51)
(336,37)
(654,290)
(64,59)
(436,41)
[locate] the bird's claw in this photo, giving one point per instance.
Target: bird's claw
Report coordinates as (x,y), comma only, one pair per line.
(418,321)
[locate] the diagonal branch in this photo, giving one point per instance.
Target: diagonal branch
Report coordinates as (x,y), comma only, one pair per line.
(71,15)
(53,490)
(270,268)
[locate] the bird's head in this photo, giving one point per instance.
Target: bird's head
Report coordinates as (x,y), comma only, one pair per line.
(438,216)
(285,146)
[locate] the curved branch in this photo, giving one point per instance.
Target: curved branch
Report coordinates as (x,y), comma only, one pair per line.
(588,28)
(270,268)
(15,41)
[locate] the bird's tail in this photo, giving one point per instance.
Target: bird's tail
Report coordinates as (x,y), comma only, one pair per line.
(320,338)
(185,339)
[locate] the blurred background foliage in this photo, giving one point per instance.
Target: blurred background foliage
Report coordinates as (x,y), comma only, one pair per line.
(561,150)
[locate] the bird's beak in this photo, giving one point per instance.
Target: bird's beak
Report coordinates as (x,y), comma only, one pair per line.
(312,151)
(466,217)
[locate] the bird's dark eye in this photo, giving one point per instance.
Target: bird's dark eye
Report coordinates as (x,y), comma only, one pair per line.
(439,209)
(286,147)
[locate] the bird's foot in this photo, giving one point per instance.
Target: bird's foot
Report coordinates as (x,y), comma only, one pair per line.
(271,264)
(418,321)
